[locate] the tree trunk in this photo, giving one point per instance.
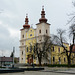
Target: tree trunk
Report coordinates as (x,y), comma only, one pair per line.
(69,61)
(40,61)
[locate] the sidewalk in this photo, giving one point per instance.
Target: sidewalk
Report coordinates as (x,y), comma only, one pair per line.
(60,70)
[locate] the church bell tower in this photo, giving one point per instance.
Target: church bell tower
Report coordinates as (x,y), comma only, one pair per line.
(43,28)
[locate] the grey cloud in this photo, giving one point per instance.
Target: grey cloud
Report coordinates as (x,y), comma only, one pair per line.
(15,11)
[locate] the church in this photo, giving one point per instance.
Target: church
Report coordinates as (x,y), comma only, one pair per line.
(29,35)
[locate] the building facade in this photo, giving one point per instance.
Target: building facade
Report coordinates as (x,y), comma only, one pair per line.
(6,61)
(29,36)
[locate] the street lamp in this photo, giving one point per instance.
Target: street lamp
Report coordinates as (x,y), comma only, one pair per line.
(13,56)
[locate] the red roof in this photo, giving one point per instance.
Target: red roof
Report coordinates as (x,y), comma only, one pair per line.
(26,26)
(73,49)
(8,59)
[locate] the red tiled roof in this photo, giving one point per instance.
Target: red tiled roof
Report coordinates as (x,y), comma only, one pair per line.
(9,59)
(73,49)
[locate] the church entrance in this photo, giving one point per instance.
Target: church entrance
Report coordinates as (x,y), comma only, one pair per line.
(30,59)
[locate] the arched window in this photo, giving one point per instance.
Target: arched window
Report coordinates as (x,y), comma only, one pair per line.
(30,34)
(53,49)
(59,50)
(22,36)
(30,48)
(22,58)
(39,31)
(27,49)
(22,52)
(34,49)
(64,60)
(59,60)
(53,60)
(46,30)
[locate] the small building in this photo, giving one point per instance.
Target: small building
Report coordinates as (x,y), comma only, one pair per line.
(6,61)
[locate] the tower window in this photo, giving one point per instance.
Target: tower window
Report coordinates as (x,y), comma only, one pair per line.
(22,58)
(22,52)
(22,43)
(22,36)
(46,31)
(39,31)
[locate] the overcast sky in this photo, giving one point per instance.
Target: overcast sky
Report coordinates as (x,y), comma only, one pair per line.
(12,16)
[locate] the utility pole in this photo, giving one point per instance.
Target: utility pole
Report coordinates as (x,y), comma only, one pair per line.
(13,55)
(2,53)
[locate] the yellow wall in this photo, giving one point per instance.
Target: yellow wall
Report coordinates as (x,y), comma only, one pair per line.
(58,53)
(30,40)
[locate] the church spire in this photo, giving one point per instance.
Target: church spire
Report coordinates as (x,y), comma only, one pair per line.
(42,19)
(26,22)
(26,19)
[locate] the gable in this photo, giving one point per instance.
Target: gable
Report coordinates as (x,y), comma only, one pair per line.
(31,33)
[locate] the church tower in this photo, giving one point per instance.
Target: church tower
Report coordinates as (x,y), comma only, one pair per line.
(25,28)
(30,36)
(43,28)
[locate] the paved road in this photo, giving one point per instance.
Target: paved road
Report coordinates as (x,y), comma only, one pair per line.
(47,71)
(36,73)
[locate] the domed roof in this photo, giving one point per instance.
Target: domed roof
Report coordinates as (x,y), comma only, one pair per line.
(42,19)
(26,25)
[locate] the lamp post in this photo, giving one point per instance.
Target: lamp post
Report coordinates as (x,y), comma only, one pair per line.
(13,57)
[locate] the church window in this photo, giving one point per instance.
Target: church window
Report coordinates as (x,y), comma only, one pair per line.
(30,48)
(59,60)
(46,31)
(64,60)
(59,50)
(22,36)
(22,52)
(53,49)
(39,31)
(22,43)
(53,59)
(22,58)
(27,49)
(30,34)
(34,49)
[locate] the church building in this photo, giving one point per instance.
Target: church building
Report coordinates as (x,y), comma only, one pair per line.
(29,35)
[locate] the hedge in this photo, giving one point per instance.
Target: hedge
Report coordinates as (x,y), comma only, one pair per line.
(60,65)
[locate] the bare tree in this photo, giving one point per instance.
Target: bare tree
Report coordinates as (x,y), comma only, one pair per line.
(60,39)
(72,15)
(41,50)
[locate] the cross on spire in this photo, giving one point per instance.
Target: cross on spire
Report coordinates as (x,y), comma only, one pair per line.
(43,7)
(27,15)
